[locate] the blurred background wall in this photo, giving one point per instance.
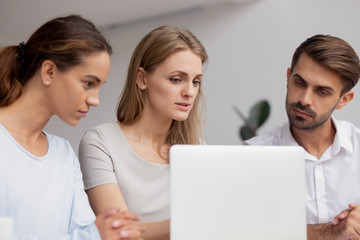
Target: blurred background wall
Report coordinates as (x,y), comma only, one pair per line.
(250,45)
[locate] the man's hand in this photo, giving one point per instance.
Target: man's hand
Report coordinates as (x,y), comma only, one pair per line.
(344,214)
(345,226)
(117,225)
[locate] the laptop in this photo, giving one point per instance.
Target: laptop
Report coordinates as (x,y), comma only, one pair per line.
(237,192)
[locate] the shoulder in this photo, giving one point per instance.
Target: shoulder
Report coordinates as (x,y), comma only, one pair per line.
(59,142)
(106,136)
(347,128)
(342,124)
(101,131)
(105,127)
(271,138)
(61,149)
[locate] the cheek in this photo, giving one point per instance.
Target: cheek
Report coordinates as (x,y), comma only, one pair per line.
(326,105)
(164,91)
(74,97)
(288,97)
(197,92)
(197,95)
(158,97)
(293,94)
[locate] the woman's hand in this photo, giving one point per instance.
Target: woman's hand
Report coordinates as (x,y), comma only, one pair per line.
(114,224)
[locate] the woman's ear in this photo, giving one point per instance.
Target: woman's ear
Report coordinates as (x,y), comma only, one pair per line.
(141,79)
(345,99)
(48,69)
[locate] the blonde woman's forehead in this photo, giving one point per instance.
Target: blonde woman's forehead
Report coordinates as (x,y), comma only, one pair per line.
(182,61)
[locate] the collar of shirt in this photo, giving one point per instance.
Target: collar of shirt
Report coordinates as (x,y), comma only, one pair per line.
(341,140)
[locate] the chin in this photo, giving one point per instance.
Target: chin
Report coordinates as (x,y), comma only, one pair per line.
(72,122)
(180,118)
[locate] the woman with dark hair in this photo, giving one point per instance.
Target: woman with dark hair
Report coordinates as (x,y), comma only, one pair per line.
(58,71)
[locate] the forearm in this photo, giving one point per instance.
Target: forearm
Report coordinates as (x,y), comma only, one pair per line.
(323,231)
(156,230)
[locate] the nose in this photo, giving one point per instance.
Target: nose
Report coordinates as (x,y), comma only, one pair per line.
(189,90)
(93,99)
(306,98)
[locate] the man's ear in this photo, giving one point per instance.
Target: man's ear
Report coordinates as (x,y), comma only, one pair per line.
(288,74)
(48,69)
(345,99)
(141,79)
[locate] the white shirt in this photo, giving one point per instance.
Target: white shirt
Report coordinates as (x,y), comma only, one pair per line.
(333,181)
(44,195)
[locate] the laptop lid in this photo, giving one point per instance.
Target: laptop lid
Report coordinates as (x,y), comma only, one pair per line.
(237,192)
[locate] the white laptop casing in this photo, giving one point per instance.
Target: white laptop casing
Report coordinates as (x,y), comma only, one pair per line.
(237,192)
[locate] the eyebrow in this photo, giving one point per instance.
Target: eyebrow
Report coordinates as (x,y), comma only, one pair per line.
(95,78)
(298,76)
(318,86)
(184,73)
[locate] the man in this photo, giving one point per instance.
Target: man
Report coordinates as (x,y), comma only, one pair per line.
(324,69)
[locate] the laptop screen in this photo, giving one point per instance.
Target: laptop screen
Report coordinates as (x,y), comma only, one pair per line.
(237,192)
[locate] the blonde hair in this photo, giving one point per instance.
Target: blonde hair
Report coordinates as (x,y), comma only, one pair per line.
(151,51)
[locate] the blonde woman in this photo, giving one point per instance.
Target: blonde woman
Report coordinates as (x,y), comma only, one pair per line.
(126,163)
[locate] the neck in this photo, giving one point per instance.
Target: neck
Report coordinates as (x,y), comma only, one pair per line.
(147,137)
(150,129)
(28,115)
(315,141)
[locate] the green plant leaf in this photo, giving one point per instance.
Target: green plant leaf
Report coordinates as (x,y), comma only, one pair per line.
(241,115)
(247,132)
(259,113)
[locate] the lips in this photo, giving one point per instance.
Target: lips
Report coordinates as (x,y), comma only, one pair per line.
(183,106)
(301,113)
(83,113)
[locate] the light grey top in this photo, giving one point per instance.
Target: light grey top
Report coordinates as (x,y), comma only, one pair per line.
(107,157)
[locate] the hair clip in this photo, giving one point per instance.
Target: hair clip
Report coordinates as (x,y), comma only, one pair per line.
(21,52)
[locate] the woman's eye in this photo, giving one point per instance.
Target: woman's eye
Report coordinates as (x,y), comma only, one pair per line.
(89,83)
(197,83)
(175,79)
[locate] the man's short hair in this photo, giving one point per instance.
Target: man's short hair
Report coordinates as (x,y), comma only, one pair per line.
(332,53)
